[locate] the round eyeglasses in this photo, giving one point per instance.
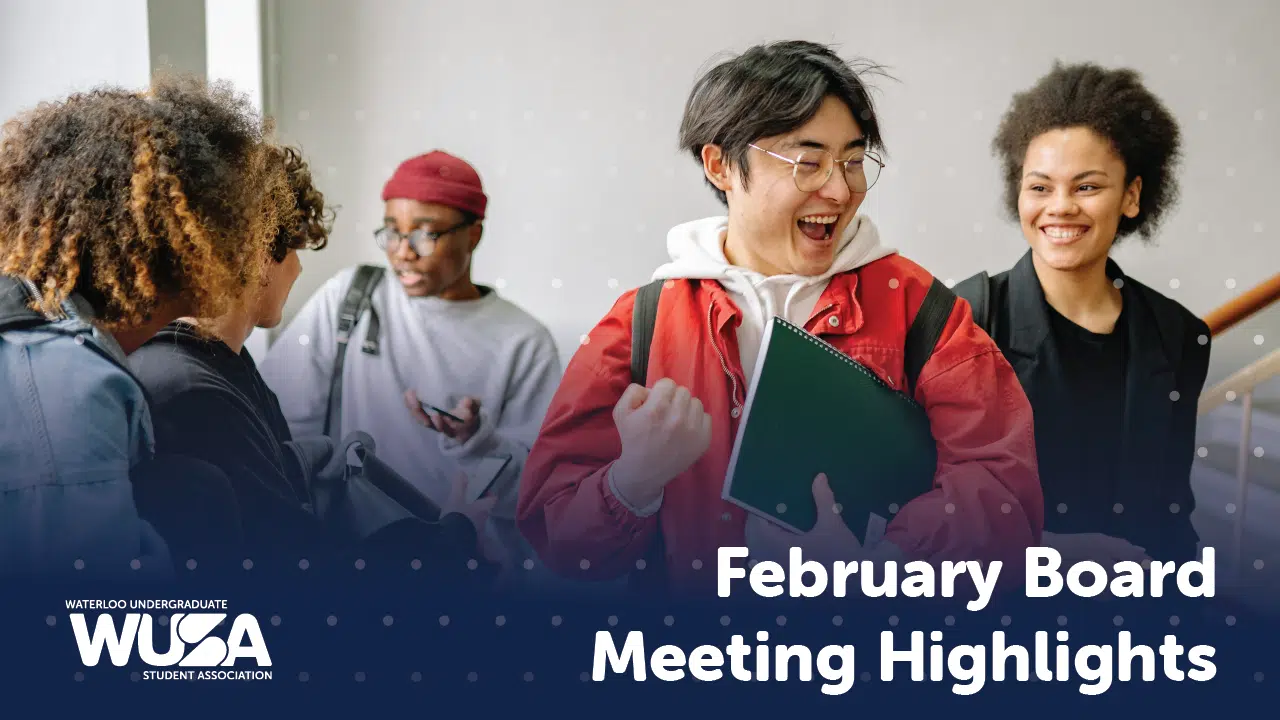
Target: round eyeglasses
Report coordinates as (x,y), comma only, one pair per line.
(812,168)
(422,240)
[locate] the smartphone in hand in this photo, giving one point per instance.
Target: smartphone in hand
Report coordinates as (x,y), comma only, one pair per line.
(429,408)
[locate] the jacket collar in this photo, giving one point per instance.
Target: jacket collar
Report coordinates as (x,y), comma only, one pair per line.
(74,317)
(837,311)
(1028,310)
(1029,317)
(15,304)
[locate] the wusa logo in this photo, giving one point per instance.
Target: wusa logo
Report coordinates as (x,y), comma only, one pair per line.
(190,644)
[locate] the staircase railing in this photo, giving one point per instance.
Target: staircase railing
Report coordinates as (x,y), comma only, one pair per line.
(1241,385)
(1243,306)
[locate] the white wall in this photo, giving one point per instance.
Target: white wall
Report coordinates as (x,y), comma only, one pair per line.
(177,36)
(50,48)
(570,112)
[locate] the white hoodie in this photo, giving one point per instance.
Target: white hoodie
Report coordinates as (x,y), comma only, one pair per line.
(697,252)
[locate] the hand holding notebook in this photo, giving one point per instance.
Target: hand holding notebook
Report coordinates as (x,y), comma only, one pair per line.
(828,541)
(872,442)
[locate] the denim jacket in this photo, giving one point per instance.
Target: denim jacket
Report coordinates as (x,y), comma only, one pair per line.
(74,424)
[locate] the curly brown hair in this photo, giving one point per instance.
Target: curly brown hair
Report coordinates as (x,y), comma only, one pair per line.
(134,199)
(1116,106)
(307,224)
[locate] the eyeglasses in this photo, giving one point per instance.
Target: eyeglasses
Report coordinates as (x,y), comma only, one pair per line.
(422,240)
(812,168)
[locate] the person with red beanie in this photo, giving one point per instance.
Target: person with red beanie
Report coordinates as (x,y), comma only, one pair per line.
(444,374)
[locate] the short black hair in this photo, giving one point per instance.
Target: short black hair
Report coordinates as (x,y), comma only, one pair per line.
(1114,104)
(771,90)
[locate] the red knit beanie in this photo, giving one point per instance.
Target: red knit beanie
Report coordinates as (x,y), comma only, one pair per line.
(438,177)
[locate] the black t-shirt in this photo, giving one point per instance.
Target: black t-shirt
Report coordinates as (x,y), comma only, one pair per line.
(1083,455)
(211,404)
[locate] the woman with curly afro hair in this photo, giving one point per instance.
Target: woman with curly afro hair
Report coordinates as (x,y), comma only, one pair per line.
(119,213)
(1113,368)
(211,404)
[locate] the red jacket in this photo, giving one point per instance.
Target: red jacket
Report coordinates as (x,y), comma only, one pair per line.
(986,503)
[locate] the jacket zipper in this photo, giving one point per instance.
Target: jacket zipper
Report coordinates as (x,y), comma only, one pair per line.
(737,407)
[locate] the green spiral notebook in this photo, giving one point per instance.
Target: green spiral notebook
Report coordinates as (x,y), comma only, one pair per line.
(811,409)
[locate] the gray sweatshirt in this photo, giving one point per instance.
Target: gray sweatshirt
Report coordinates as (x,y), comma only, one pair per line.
(444,350)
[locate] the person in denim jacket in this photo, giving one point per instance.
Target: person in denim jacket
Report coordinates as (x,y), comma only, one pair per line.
(119,212)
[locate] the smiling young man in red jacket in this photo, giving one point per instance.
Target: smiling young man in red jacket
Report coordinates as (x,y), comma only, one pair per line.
(626,479)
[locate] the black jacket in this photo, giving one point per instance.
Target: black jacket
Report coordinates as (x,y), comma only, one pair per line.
(1168,359)
(212,405)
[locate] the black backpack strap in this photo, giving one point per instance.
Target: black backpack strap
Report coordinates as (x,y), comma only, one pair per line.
(643,319)
(358,300)
(925,330)
(977,290)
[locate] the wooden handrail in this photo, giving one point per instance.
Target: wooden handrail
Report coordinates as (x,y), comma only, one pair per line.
(1241,383)
(1244,306)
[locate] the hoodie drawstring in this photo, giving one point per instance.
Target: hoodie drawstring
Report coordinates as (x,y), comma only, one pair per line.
(733,393)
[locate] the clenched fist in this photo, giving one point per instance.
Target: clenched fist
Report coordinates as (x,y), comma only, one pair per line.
(664,431)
